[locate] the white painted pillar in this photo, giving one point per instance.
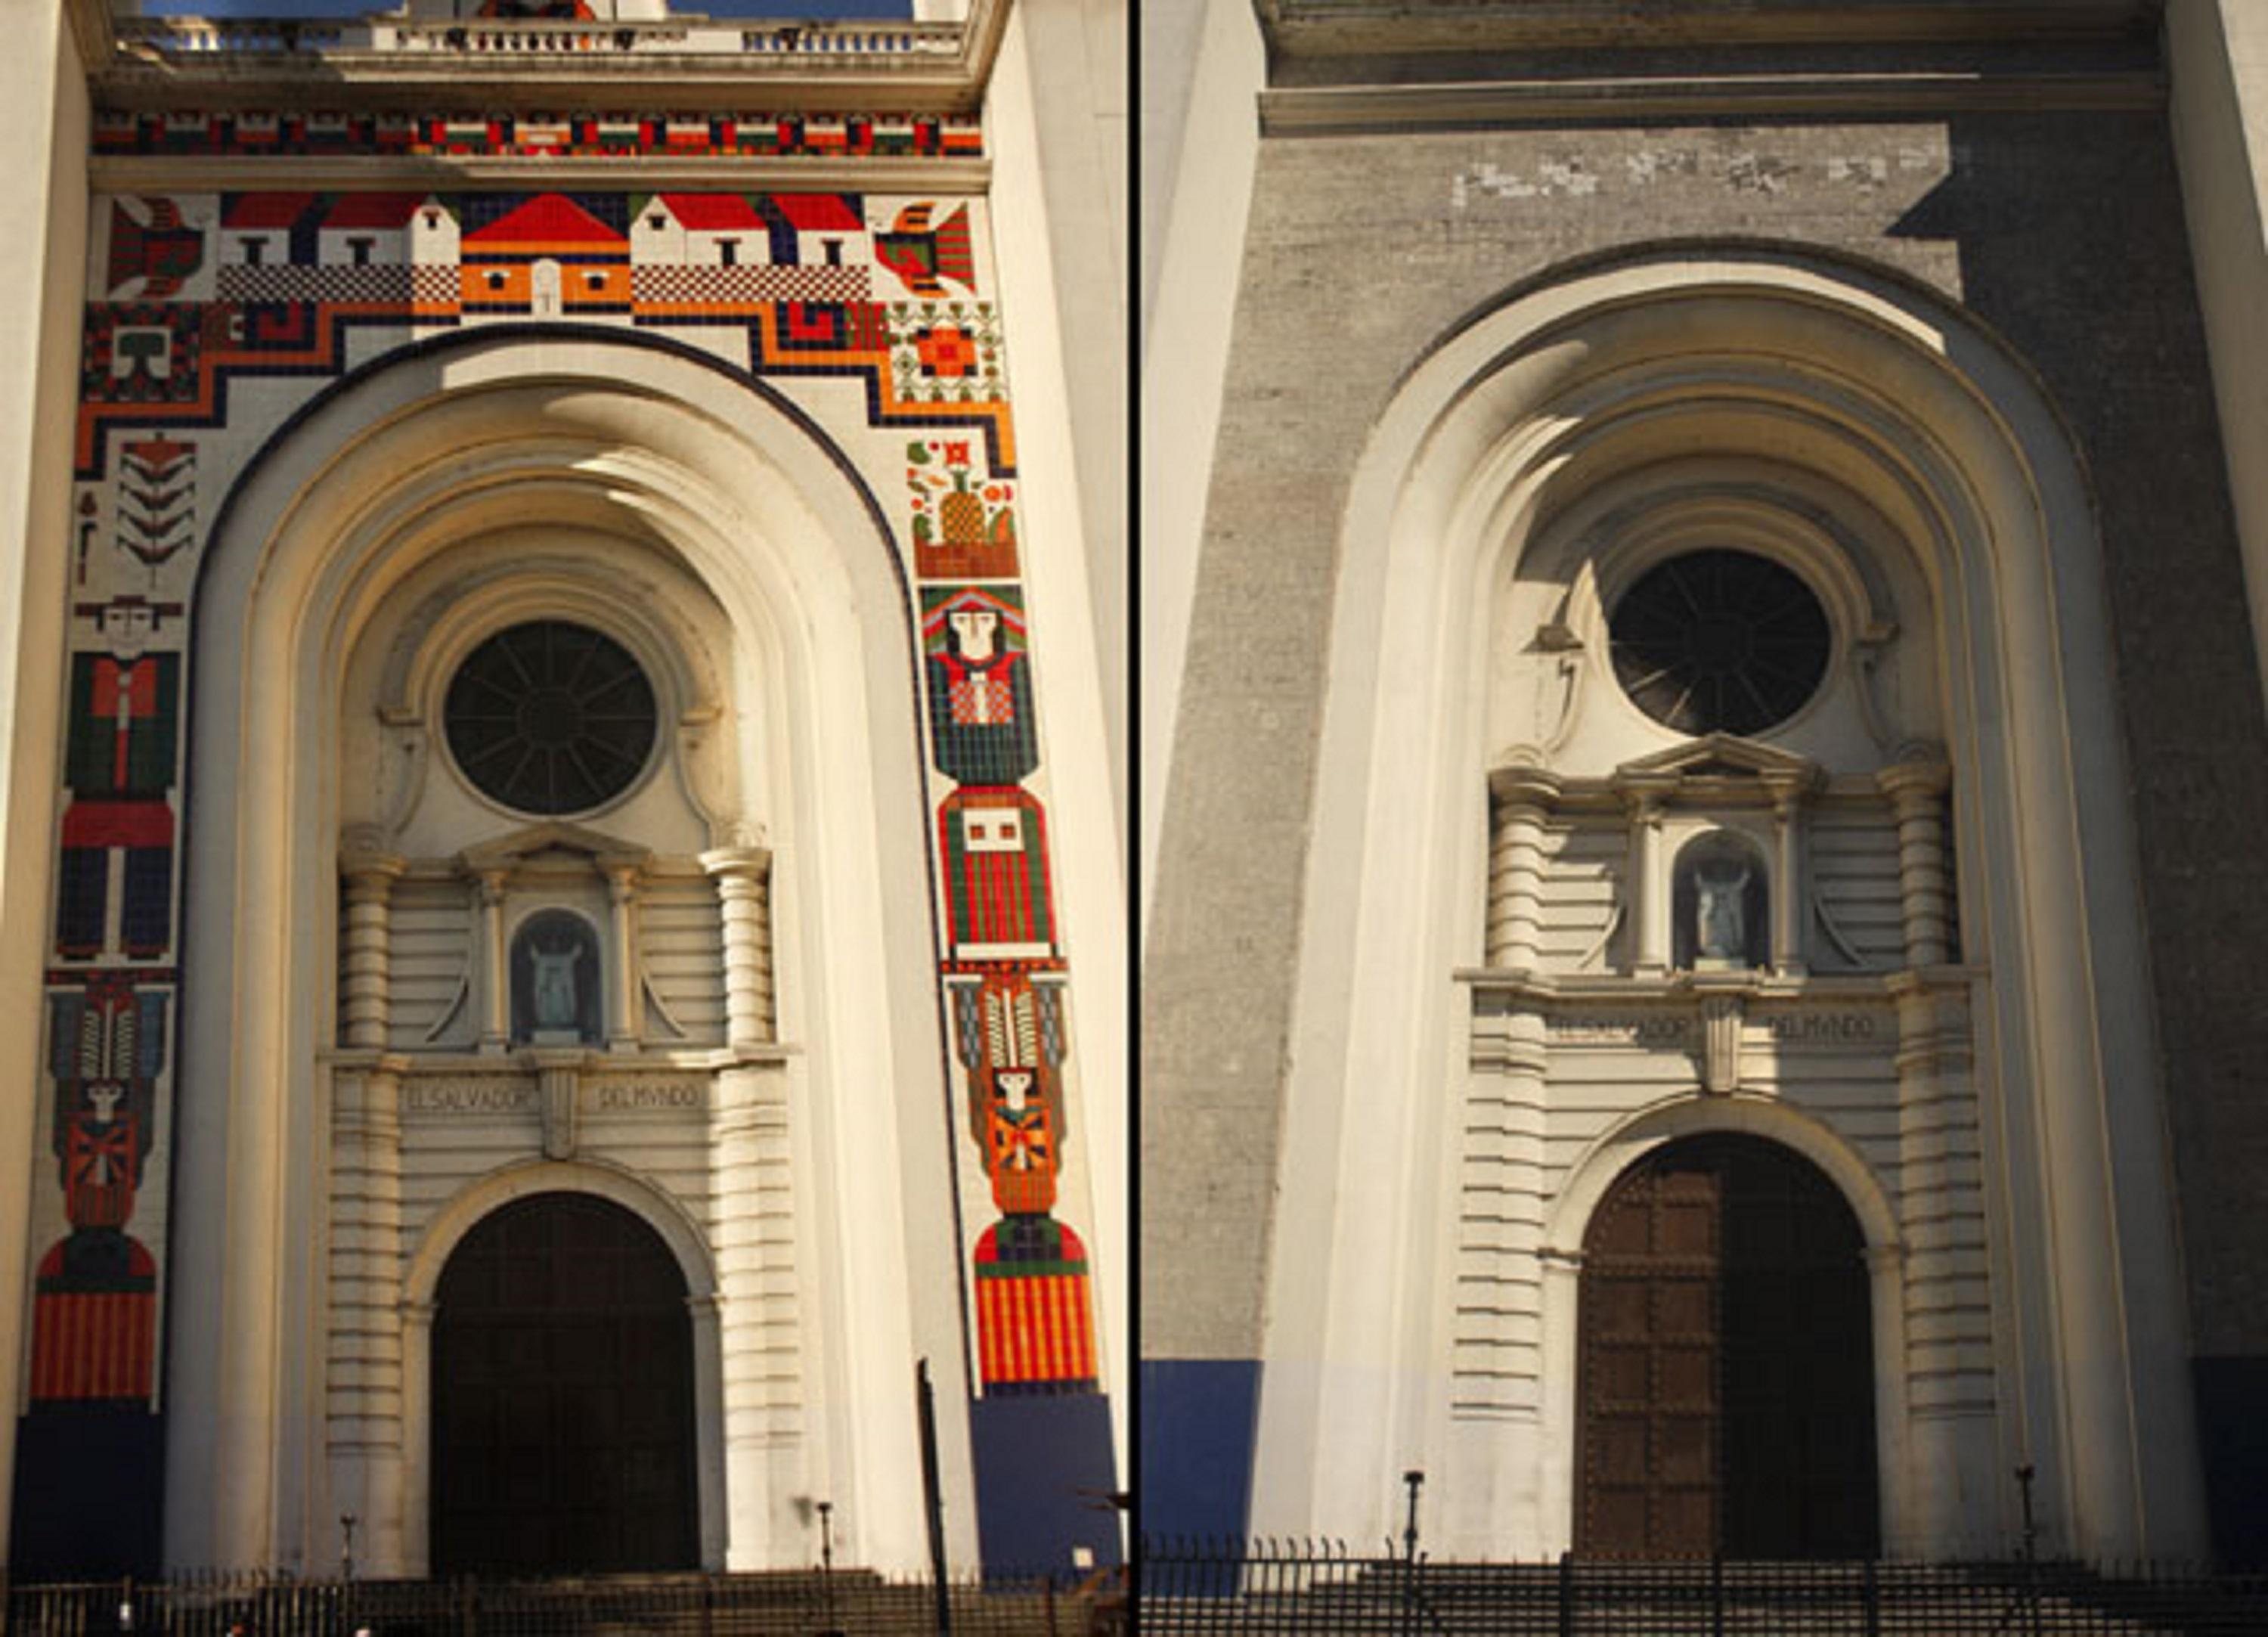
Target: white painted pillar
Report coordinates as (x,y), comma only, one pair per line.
(45,121)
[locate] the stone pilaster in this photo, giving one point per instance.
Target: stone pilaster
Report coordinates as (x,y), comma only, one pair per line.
(364,1412)
(759,1328)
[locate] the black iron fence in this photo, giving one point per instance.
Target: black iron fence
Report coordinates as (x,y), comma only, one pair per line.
(846,1604)
(1275,1590)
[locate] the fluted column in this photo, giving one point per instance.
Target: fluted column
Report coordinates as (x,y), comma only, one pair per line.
(1789,893)
(1523,797)
(365,1409)
(1916,794)
(742,875)
(496,1016)
(1648,885)
(365,980)
(625,1019)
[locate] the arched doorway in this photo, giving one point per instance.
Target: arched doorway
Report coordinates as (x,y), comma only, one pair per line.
(1726,1385)
(563,1396)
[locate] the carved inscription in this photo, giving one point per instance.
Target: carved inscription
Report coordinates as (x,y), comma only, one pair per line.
(1619,1031)
(469,1096)
(1807,1029)
(649,1094)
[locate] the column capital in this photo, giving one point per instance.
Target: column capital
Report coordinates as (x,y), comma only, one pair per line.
(1914,778)
(727,862)
(1525,784)
(362,864)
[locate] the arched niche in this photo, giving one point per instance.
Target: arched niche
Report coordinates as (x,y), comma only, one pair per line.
(383,475)
(1862,379)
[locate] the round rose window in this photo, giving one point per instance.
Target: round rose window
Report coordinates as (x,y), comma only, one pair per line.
(551,717)
(1720,642)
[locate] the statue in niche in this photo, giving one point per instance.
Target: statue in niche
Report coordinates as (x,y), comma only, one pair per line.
(1721,916)
(554,985)
(555,981)
(1720,931)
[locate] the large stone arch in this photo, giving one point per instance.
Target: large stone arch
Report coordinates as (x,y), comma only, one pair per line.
(1864,375)
(378,476)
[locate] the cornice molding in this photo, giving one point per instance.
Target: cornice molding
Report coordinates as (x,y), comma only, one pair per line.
(1344,110)
(1314,28)
(156,173)
(688,63)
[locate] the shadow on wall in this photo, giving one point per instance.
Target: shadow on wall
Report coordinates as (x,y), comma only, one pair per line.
(2071,245)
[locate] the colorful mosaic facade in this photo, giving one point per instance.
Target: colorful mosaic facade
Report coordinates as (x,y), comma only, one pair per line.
(821,294)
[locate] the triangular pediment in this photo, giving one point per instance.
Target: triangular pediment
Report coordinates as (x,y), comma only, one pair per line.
(505,853)
(1723,755)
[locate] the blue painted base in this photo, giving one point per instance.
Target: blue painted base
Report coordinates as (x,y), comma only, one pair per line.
(1044,1466)
(90,1492)
(2233,1435)
(1199,1420)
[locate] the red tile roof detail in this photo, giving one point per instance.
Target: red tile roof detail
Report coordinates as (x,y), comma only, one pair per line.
(266,210)
(386,210)
(713,212)
(547,219)
(819,212)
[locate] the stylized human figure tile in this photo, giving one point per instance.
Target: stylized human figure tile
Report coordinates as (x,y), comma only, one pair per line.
(980,686)
(996,864)
(115,891)
(1034,1318)
(94,1301)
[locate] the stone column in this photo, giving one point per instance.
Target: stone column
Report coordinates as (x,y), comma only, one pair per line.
(1523,797)
(742,875)
(365,980)
(1916,794)
(1789,893)
(495,1014)
(364,1409)
(1648,885)
(625,1013)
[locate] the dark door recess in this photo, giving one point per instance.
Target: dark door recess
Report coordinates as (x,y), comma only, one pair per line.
(1726,1400)
(563,1396)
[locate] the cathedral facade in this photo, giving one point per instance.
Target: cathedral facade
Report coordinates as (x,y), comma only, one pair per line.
(563,745)
(1701,626)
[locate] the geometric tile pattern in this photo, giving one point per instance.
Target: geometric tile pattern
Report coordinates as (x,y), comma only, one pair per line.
(506,135)
(193,295)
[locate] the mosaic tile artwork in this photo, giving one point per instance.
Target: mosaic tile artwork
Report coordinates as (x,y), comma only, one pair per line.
(194,294)
(506,135)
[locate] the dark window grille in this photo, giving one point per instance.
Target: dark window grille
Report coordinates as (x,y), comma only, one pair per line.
(551,717)
(1719,641)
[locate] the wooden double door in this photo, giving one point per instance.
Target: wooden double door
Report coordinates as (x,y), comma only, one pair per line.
(1725,1399)
(562,1397)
